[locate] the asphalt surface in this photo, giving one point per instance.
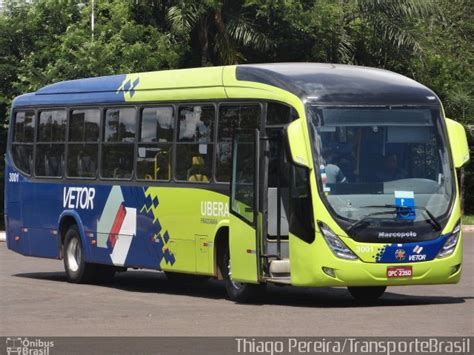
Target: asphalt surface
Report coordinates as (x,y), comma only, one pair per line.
(36,300)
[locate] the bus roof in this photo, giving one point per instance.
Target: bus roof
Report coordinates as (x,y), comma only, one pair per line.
(339,84)
(319,83)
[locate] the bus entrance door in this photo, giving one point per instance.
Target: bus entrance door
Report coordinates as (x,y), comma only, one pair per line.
(245,218)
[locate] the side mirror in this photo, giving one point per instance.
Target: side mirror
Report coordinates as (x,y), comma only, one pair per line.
(296,143)
(458,142)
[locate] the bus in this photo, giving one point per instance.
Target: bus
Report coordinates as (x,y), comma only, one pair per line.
(302,174)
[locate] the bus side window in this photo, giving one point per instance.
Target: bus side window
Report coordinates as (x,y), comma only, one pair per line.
(23,141)
(232,117)
(82,156)
(51,135)
(154,156)
(279,114)
(119,140)
(194,147)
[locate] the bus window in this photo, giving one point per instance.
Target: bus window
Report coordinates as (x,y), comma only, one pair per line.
(193,162)
(232,117)
(194,148)
(156,143)
(23,139)
(118,147)
(196,123)
(279,114)
(84,125)
(82,143)
(49,160)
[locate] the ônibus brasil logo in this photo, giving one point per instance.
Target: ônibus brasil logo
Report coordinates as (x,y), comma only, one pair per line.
(20,346)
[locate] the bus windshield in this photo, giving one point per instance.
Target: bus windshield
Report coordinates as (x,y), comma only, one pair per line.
(382,164)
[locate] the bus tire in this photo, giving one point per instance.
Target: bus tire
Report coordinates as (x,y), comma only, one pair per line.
(77,270)
(367,293)
(237,291)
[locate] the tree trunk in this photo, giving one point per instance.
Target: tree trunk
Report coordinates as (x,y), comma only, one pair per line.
(204,40)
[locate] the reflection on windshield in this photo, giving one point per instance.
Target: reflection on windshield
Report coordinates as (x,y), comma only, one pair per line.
(368,156)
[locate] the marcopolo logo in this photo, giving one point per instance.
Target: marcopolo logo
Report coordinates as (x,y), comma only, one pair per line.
(26,346)
(409,234)
(79,197)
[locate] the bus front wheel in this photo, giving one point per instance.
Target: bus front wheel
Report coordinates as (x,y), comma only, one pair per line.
(77,270)
(237,291)
(367,293)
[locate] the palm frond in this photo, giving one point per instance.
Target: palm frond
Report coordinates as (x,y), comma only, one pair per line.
(184,18)
(245,34)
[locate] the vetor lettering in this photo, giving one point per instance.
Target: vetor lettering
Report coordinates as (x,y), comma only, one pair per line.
(79,197)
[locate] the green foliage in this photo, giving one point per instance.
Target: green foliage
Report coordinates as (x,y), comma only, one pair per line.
(119,44)
(447,58)
(468,220)
(218,29)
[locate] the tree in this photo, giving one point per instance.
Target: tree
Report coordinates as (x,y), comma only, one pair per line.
(446,60)
(120,44)
(218,28)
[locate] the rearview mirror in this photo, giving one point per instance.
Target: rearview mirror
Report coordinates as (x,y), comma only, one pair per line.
(296,142)
(458,142)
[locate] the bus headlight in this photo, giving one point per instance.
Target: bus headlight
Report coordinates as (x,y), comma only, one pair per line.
(451,242)
(337,246)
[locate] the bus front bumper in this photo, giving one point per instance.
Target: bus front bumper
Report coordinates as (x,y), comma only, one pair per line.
(328,270)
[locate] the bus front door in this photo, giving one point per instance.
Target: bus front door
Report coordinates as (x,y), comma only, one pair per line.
(245,219)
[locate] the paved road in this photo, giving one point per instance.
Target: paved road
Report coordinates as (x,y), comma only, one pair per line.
(36,300)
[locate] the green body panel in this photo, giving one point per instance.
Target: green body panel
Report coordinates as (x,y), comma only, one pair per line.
(172,85)
(193,218)
(359,273)
(243,257)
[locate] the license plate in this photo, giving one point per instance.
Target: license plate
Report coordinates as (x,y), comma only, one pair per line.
(399,271)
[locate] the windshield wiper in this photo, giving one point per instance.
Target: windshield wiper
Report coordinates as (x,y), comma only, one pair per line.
(363,221)
(433,221)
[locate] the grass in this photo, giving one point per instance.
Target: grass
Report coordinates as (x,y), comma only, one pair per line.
(468,219)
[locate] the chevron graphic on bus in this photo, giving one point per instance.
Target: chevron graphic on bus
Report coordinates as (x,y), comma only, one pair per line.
(116,226)
(160,236)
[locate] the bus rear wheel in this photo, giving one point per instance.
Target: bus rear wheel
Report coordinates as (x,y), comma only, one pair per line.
(237,291)
(77,270)
(367,293)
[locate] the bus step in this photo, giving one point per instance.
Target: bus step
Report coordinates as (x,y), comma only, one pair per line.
(280,280)
(280,268)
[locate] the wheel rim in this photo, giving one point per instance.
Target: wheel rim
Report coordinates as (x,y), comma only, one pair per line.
(235,284)
(73,255)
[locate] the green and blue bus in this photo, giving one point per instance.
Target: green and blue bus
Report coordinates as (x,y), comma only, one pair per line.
(293,173)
